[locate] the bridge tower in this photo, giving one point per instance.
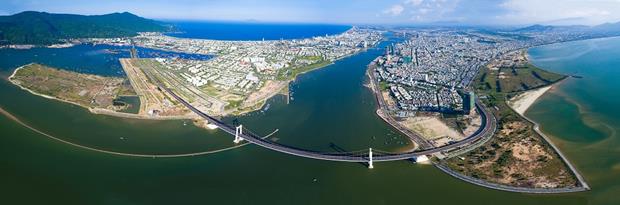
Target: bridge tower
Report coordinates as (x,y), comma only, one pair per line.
(238,133)
(370,158)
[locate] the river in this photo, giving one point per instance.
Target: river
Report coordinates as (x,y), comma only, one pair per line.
(331,106)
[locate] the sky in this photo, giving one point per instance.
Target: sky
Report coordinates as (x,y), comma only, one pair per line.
(396,12)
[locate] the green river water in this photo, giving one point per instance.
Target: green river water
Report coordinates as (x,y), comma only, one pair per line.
(331,106)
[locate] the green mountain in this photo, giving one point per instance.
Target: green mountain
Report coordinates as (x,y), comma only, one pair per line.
(32,27)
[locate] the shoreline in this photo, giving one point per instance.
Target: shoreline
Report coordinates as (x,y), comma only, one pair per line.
(255,41)
(507,188)
(124,154)
(97,111)
(523,101)
(583,185)
(528,101)
(548,140)
(587,39)
(417,140)
(528,98)
(263,101)
(103,111)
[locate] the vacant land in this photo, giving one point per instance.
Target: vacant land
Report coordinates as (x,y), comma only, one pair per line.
(154,102)
(90,91)
(442,129)
(432,129)
(516,155)
(212,98)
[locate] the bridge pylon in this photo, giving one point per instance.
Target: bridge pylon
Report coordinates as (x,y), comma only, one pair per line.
(370,158)
(238,133)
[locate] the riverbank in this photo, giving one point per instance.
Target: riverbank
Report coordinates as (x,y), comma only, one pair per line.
(10,79)
(418,141)
(281,87)
(94,110)
(125,154)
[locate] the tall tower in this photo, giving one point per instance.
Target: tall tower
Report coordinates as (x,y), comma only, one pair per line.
(469,102)
(370,166)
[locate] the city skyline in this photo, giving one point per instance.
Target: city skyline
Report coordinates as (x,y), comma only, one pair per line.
(394,12)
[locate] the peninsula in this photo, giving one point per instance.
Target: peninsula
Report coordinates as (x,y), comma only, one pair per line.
(518,155)
(428,84)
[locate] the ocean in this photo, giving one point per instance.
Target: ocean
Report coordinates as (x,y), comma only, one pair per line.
(583,114)
(253,31)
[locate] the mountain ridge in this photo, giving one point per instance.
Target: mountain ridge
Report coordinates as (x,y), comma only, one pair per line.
(40,28)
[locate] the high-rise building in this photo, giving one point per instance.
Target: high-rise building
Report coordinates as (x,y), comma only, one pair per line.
(469,102)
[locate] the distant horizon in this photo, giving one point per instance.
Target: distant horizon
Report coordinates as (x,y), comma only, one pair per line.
(348,12)
(255,21)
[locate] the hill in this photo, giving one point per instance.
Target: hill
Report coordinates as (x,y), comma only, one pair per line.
(535,28)
(597,30)
(32,27)
(608,28)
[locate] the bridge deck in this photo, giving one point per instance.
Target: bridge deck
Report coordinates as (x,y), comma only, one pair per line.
(488,125)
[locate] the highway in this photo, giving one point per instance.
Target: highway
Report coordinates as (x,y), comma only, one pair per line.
(488,126)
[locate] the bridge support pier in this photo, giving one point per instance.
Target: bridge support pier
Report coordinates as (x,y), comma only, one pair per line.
(238,133)
(370,158)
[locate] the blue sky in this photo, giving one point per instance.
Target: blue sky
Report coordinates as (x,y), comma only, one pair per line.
(467,12)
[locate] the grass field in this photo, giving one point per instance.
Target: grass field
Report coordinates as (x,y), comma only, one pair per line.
(290,74)
(82,89)
(511,80)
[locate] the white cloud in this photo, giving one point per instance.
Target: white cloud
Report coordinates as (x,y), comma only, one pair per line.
(395,10)
(587,12)
(432,10)
(414,2)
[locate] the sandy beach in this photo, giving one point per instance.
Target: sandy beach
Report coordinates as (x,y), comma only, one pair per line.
(523,101)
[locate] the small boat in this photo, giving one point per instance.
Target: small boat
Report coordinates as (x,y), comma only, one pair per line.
(267,107)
